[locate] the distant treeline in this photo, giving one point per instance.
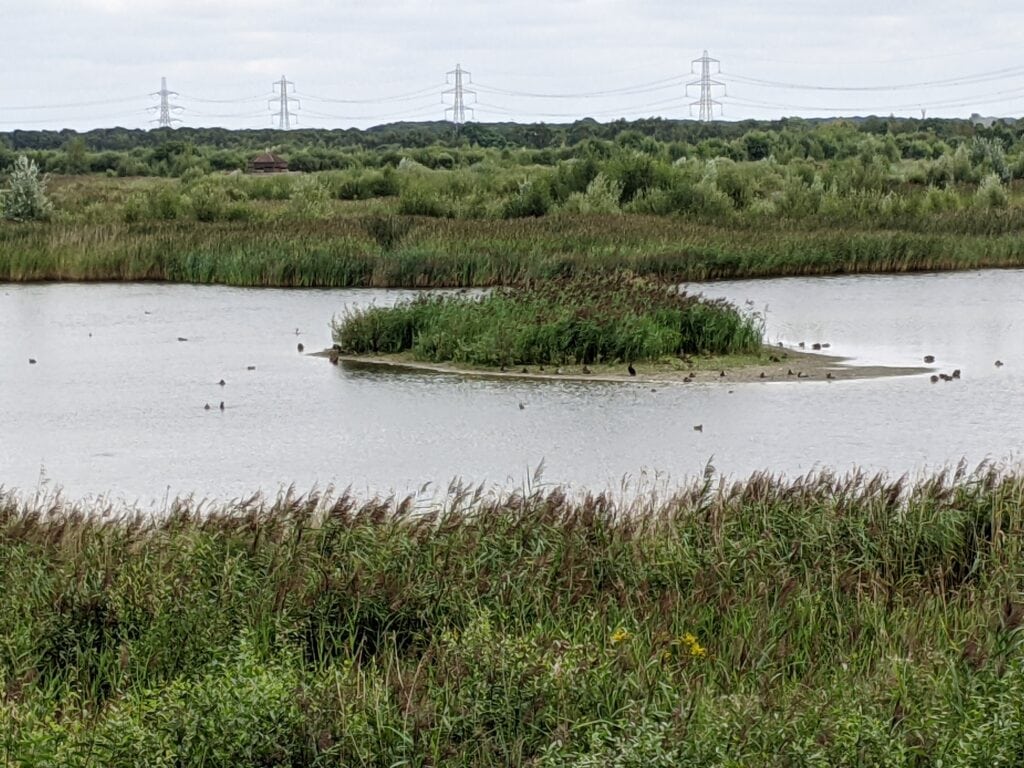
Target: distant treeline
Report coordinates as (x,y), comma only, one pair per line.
(169,152)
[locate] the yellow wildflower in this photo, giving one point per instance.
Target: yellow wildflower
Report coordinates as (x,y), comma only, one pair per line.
(693,644)
(619,635)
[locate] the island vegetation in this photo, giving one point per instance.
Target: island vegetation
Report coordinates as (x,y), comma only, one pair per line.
(586,321)
(819,621)
(420,206)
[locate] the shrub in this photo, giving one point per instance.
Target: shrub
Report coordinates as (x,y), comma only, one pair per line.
(602,196)
(991,193)
(209,201)
(309,199)
(25,199)
(532,199)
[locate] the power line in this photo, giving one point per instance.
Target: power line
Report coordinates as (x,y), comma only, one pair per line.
(654,85)
(982,77)
(284,116)
(76,105)
(164,119)
(411,96)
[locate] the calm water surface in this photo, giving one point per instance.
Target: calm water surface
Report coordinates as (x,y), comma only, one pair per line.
(114,405)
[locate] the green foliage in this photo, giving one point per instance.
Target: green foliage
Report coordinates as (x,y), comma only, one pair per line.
(387,230)
(25,197)
(533,198)
(991,193)
(584,321)
(209,200)
(601,197)
(824,621)
(310,199)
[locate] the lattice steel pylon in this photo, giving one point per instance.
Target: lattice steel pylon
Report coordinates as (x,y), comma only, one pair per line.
(706,102)
(458,92)
(283,101)
(166,109)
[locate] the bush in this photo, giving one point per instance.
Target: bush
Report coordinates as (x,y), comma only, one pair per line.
(25,199)
(309,199)
(991,193)
(532,199)
(602,196)
(209,201)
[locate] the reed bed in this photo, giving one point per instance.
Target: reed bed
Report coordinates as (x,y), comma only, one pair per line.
(610,319)
(437,253)
(827,620)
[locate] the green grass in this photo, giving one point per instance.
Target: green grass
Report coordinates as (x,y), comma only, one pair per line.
(617,318)
(820,622)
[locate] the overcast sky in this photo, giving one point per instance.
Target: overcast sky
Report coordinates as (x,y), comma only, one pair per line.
(92,63)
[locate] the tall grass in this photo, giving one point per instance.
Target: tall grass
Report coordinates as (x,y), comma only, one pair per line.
(822,621)
(340,252)
(583,320)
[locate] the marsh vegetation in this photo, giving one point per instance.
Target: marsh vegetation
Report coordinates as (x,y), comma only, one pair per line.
(821,621)
(501,204)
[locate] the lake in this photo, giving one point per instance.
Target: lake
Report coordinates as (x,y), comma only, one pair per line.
(115,403)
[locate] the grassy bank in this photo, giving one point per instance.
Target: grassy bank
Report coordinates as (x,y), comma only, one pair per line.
(821,622)
(613,319)
(341,252)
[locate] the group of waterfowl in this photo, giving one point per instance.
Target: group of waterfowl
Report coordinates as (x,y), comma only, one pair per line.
(937,377)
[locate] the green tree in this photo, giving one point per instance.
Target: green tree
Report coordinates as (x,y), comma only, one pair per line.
(75,158)
(25,199)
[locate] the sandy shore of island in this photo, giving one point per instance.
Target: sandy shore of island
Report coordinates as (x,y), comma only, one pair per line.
(778,365)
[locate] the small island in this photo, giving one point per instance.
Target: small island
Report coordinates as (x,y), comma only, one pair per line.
(617,327)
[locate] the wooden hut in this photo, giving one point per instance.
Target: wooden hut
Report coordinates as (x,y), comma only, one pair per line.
(268,162)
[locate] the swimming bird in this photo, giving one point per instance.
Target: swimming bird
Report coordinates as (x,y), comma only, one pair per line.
(929,358)
(945,377)
(221,382)
(790,372)
(250,367)
(297,331)
(816,345)
(222,405)
(956,373)
(698,427)
(206,407)
(763,375)
(631,369)
(31,361)
(825,345)
(801,345)
(522,406)
(721,374)
(999,363)
(829,375)
(934,379)
(182,338)
(301,348)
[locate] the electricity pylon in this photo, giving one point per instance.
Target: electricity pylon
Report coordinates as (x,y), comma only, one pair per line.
(458,93)
(706,102)
(283,101)
(165,120)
